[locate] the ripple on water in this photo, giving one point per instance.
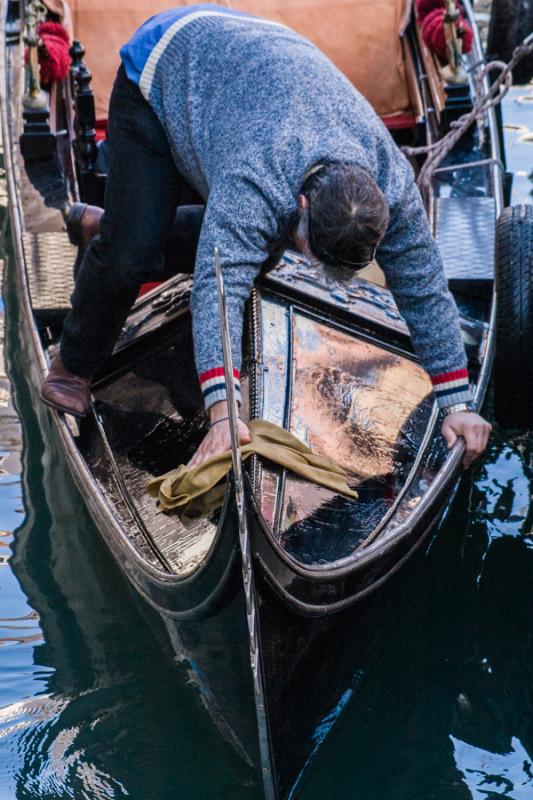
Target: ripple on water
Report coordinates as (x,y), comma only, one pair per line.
(492,775)
(502,495)
(51,754)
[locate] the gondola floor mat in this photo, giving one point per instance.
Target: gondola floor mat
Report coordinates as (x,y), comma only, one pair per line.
(49,258)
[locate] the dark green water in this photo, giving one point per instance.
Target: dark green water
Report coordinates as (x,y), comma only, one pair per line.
(89,709)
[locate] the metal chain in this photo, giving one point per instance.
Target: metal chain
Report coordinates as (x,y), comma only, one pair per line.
(438,150)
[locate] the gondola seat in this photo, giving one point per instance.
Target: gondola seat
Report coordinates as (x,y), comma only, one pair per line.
(362,37)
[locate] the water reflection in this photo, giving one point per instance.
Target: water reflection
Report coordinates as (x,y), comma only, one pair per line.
(454,691)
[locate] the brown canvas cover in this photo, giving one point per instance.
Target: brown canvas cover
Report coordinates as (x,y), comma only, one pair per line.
(361,37)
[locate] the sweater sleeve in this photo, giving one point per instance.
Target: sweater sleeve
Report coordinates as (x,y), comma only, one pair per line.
(411,262)
(240,222)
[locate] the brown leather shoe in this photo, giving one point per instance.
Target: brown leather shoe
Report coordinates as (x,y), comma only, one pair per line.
(64,391)
(83,223)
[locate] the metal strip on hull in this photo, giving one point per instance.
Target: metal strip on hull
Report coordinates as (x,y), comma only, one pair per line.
(267,772)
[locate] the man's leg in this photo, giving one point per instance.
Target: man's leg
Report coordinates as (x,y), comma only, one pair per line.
(142,190)
(182,241)
(83,224)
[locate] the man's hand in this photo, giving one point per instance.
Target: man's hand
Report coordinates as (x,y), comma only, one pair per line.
(473,429)
(218,439)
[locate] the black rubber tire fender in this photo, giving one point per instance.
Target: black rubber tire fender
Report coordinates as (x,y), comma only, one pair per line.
(513,360)
(510,22)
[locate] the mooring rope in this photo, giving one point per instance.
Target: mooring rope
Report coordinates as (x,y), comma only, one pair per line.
(438,150)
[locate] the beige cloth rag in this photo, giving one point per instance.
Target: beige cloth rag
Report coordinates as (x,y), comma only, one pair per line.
(197,492)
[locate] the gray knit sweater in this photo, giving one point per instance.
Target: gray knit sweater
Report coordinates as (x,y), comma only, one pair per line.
(249,107)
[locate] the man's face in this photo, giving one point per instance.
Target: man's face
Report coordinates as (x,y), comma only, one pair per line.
(301,239)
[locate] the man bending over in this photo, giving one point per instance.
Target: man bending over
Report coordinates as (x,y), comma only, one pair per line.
(284,151)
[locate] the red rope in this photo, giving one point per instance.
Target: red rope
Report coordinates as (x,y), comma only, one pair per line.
(425,7)
(54,57)
(434,35)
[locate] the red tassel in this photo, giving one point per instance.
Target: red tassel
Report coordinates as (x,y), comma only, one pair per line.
(55,29)
(54,57)
(425,7)
(434,35)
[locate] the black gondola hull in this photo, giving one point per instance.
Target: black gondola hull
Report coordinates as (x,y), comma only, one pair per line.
(320,625)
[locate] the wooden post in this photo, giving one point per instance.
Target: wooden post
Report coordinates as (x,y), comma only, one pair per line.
(86,150)
(76,52)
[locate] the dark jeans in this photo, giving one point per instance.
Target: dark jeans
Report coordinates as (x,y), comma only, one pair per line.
(141,237)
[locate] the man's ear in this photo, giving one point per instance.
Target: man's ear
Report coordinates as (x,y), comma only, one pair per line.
(303,202)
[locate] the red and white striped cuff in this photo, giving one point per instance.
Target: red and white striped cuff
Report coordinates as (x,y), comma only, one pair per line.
(451,388)
(213,385)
